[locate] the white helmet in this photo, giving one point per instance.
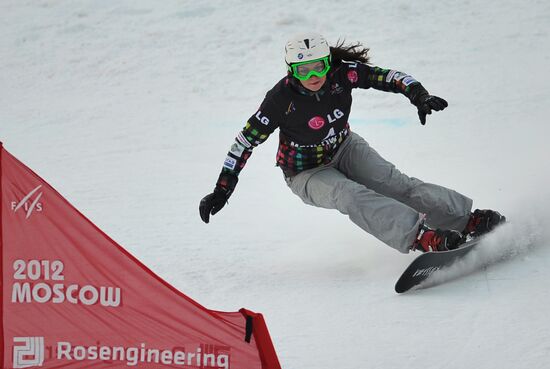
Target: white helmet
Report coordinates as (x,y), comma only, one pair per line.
(306,47)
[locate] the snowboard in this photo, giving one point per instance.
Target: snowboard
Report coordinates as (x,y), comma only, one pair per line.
(429,263)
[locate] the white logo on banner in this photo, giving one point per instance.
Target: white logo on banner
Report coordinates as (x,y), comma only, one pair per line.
(31,353)
(23,204)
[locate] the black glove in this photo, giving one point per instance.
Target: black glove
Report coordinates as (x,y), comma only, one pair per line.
(426,103)
(212,203)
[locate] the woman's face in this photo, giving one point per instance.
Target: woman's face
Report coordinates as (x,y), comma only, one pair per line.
(314,83)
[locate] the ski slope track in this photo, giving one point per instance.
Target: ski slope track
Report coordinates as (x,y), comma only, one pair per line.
(128,109)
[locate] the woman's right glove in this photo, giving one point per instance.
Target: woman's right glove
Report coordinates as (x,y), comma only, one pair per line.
(212,203)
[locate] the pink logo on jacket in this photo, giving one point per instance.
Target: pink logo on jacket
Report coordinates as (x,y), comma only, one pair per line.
(352,76)
(316,122)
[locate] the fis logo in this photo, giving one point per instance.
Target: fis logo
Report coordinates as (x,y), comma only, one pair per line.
(336,89)
(28,351)
(28,204)
(290,108)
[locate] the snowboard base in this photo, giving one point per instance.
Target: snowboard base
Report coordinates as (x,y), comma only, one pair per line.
(429,263)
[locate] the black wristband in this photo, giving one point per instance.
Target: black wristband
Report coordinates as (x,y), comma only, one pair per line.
(417,93)
(227,182)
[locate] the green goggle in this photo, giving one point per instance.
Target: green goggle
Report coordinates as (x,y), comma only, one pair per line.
(304,70)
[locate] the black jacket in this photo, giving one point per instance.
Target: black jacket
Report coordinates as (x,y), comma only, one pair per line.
(312,125)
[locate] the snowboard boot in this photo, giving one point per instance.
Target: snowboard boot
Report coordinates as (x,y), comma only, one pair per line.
(482,221)
(430,240)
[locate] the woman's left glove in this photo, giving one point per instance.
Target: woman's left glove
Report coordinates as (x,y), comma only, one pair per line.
(426,103)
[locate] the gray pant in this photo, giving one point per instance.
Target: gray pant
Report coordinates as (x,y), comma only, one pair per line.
(379,198)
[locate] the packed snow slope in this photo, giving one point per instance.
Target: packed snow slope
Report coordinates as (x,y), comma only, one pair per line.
(129,107)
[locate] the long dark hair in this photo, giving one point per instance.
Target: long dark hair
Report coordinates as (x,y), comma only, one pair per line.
(351,52)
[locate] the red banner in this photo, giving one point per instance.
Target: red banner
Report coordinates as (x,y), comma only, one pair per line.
(74,298)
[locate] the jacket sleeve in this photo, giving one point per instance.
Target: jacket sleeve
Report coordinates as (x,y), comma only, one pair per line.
(256,131)
(360,75)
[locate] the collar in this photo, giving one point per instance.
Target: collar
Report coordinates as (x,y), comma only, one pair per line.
(298,87)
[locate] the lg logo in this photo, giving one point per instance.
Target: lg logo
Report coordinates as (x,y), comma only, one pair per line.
(262,118)
(28,351)
(318,122)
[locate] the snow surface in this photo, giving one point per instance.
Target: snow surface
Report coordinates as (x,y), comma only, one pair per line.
(128,108)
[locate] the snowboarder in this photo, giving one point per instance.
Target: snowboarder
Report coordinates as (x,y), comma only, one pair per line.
(329,166)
